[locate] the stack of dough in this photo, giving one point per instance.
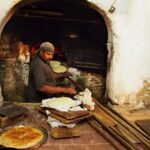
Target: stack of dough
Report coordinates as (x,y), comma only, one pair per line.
(61,103)
(57,67)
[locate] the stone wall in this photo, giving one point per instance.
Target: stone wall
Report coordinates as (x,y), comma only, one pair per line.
(95,82)
(13,70)
(14,77)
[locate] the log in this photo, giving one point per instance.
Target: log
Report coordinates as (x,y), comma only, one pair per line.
(137,134)
(133,126)
(117,137)
(102,132)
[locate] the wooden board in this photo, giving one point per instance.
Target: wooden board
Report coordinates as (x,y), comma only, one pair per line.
(100,114)
(70,120)
(70,114)
(62,119)
(144,125)
(63,132)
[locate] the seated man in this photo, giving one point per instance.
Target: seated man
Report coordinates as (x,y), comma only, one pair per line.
(42,82)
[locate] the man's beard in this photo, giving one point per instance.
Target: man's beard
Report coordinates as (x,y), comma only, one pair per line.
(48,60)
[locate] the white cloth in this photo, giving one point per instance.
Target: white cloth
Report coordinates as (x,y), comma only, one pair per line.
(75,74)
(86,98)
(54,123)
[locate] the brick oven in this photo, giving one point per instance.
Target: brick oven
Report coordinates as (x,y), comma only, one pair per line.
(74,35)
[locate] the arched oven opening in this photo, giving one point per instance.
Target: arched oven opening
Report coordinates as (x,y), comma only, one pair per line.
(78,33)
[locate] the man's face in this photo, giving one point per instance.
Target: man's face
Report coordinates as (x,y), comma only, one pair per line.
(47,56)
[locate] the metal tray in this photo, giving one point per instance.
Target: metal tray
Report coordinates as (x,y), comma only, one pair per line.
(44,139)
(12,110)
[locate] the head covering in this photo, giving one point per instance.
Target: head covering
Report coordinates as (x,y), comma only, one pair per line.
(47,46)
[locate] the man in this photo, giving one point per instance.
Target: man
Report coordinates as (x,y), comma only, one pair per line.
(42,83)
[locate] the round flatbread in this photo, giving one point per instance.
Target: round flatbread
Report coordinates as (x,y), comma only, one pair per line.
(54,63)
(59,69)
(21,137)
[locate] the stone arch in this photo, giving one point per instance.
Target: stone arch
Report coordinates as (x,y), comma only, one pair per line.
(17,5)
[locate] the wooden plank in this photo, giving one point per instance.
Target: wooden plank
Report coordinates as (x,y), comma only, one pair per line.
(70,120)
(62,119)
(126,134)
(144,125)
(99,114)
(103,132)
(70,114)
(63,132)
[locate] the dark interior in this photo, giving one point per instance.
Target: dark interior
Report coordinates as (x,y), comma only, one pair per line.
(78,32)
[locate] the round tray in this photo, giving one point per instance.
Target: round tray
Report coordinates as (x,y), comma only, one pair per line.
(42,141)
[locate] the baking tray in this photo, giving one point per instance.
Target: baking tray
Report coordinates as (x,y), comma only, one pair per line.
(12,110)
(44,139)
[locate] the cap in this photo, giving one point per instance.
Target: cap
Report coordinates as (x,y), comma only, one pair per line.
(47,46)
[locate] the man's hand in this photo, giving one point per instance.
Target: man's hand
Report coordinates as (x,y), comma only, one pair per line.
(62,75)
(66,74)
(70,91)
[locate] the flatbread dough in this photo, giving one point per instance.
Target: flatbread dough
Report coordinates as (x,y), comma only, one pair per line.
(54,63)
(21,137)
(57,67)
(60,103)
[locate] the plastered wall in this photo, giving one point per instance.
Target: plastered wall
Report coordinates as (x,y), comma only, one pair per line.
(128,45)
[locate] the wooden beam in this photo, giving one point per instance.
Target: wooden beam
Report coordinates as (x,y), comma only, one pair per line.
(57,19)
(39,12)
